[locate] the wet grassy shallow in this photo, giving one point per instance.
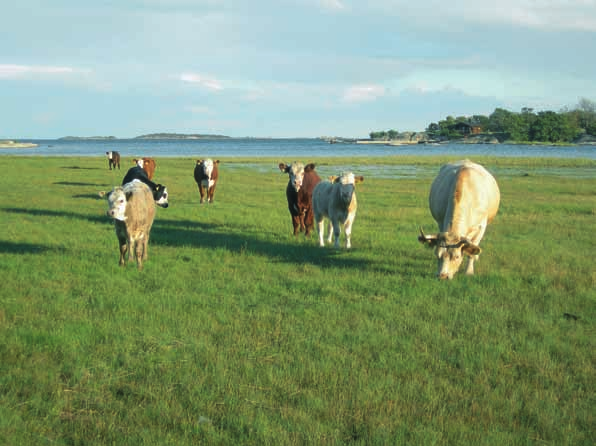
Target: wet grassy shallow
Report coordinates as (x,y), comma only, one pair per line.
(238,333)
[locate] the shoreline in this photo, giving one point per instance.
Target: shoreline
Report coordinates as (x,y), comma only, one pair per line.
(8,144)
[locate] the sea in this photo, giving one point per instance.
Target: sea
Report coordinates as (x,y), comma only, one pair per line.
(286,150)
(305,150)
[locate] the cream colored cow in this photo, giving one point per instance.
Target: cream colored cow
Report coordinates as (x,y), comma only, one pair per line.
(133,209)
(464,198)
(336,200)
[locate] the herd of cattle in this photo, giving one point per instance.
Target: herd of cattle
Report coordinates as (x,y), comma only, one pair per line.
(464,198)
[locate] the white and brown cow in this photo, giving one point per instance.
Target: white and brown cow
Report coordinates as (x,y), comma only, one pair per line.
(133,209)
(302,181)
(336,200)
(206,175)
(464,198)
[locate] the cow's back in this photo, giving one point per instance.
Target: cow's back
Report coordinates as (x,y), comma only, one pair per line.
(140,209)
(321,197)
(462,192)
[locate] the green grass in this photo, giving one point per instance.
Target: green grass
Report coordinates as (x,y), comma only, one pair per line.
(236,332)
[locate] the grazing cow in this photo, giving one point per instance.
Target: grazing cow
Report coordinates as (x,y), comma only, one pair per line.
(160,192)
(301,184)
(148,165)
(463,199)
(113,159)
(336,200)
(133,209)
(206,176)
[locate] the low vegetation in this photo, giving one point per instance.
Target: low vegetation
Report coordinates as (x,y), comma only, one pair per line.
(236,332)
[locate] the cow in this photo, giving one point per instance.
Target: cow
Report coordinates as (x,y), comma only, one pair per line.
(147,164)
(159,191)
(206,175)
(302,181)
(113,159)
(133,209)
(336,200)
(464,198)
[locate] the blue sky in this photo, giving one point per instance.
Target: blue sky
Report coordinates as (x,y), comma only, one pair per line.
(285,68)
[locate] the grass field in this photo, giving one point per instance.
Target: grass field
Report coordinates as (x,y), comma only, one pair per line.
(237,333)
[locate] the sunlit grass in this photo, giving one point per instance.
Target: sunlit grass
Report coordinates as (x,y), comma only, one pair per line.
(238,333)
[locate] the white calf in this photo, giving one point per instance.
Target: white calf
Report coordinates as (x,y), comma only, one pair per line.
(336,200)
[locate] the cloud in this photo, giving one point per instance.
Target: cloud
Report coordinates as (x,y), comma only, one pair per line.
(332,5)
(10,71)
(206,82)
(549,15)
(363,93)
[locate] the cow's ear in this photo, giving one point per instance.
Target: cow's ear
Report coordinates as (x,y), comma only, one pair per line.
(309,167)
(359,179)
(283,167)
(216,162)
(471,249)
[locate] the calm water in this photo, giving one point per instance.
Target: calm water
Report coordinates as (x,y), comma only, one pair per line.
(284,149)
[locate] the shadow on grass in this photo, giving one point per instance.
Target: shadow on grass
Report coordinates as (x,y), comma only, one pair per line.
(209,236)
(200,235)
(25,248)
(90,196)
(74,183)
(82,168)
(49,213)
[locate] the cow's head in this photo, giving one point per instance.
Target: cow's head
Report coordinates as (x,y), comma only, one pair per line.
(346,182)
(139,162)
(117,200)
(160,195)
(296,173)
(449,250)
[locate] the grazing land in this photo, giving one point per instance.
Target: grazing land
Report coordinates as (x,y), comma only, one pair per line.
(236,332)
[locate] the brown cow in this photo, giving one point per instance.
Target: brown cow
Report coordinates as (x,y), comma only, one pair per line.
(148,165)
(113,159)
(301,184)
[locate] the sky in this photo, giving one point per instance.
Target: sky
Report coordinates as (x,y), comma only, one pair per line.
(285,68)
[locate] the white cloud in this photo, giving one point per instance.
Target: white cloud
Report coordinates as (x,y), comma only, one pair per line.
(553,15)
(332,5)
(10,71)
(363,93)
(209,83)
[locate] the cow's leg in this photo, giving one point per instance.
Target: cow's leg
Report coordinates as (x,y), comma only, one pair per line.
(202,193)
(140,251)
(475,237)
(348,231)
(308,221)
(296,223)
(301,220)
(336,232)
(211,194)
(321,230)
(123,247)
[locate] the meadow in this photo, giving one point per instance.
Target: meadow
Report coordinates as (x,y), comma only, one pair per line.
(236,332)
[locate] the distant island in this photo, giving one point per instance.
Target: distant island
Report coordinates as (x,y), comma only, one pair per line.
(180,136)
(78,138)
(149,136)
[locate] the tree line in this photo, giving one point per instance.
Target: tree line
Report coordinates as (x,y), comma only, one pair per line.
(524,126)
